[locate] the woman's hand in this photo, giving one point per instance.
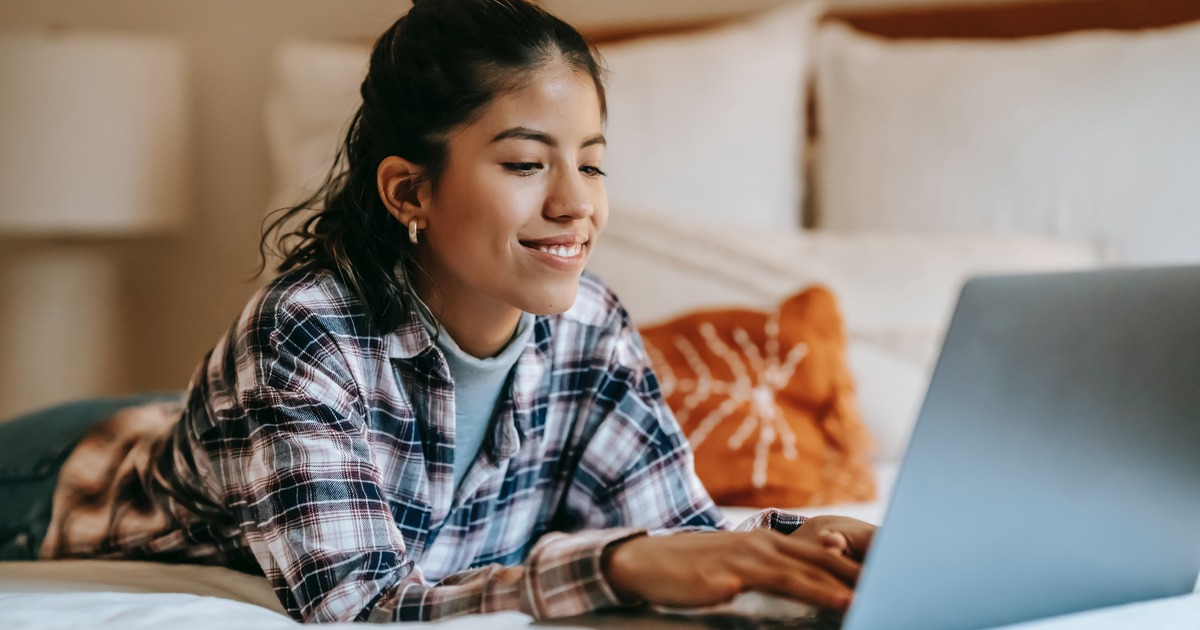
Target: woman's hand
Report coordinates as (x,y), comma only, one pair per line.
(706,568)
(840,535)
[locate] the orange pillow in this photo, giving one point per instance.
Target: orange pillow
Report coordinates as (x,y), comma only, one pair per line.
(767,402)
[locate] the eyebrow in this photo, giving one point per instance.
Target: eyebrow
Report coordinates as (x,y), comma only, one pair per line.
(525,133)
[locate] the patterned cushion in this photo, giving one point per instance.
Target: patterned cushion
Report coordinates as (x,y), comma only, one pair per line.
(767,402)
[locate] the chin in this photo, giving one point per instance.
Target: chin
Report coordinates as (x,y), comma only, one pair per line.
(551,301)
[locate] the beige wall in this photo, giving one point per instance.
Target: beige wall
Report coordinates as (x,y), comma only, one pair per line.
(179,292)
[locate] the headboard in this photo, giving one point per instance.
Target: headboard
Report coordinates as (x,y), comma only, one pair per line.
(1020,18)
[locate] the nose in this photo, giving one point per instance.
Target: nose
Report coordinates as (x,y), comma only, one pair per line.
(569,198)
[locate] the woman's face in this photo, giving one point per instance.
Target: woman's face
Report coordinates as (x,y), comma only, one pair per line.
(521,201)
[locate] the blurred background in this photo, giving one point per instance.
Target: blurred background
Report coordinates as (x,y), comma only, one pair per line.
(133,304)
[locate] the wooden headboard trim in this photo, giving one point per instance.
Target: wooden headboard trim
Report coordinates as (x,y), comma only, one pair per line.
(1020,18)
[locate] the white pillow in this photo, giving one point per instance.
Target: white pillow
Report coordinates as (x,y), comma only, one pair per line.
(1091,136)
(709,125)
(896,291)
(889,285)
(889,391)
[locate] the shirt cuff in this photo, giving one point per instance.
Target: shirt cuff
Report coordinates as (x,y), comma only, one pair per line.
(565,577)
(773,518)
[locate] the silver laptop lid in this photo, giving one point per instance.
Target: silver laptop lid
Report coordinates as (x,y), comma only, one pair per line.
(1055,466)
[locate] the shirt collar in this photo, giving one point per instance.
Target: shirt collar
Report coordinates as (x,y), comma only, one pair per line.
(464,363)
(410,338)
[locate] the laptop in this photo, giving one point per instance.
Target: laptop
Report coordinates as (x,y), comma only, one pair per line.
(1055,465)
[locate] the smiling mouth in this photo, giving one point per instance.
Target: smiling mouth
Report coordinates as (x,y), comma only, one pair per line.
(562,251)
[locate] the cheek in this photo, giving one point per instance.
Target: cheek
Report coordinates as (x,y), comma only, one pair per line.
(484,210)
(468,206)
(600,205)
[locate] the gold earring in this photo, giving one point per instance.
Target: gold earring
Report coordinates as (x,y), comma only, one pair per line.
(412,231)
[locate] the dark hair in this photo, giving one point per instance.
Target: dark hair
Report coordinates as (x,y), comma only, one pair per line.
(432,71)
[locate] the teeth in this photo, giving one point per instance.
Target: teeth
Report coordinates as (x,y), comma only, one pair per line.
(562,251)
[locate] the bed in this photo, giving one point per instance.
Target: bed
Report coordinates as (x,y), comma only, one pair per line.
(868,201)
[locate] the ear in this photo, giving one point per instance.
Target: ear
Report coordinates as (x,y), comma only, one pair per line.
(404,190)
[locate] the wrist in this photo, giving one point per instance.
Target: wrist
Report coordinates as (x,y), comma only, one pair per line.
(812,522)
(614,565)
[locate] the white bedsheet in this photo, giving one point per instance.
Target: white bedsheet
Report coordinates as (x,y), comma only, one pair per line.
(130,596)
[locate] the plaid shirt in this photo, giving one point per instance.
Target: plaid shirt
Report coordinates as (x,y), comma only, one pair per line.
(322,450)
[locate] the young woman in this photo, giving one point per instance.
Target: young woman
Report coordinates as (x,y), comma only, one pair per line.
(433,410)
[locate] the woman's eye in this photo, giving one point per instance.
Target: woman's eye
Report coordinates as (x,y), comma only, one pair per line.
(593,171)
(523,168)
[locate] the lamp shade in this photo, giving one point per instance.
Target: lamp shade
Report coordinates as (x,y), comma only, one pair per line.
(93,135)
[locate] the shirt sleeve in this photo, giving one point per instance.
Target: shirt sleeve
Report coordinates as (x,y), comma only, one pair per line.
(308,498)
(637,469)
